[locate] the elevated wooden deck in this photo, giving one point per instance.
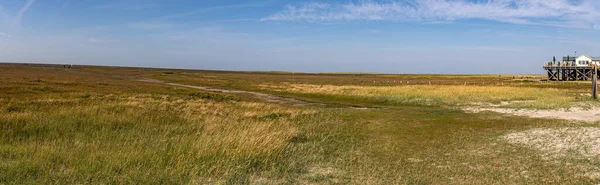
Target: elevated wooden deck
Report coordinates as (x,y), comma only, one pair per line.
(570,73)
(568,67)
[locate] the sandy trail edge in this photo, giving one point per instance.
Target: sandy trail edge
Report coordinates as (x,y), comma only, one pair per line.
(262,96)
(575,114)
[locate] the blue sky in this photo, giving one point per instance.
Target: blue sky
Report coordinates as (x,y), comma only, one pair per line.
(387,36)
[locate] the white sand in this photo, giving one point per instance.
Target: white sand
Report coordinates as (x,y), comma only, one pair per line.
(582,141)
(576,114)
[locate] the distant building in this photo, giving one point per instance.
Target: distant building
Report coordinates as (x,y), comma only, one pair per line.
(582,60)
(570,68)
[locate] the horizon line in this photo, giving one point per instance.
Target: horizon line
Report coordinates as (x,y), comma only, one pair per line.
(255,71)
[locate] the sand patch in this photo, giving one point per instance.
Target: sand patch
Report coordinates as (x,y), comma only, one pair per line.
(575,114)
(322,175)
(323,171)
(558,144)
(583,142)
(265,180)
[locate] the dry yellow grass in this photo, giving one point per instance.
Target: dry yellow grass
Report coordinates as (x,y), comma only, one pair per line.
(79,126)
(193,139)
(522,97)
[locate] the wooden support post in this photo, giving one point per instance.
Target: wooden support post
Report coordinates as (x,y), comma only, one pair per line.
(561,75)
(594,83)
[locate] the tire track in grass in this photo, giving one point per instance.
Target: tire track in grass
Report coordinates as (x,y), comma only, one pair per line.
(262,96)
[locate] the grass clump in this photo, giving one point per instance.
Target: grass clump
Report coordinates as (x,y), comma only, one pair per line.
(275,116)
(212,96)
(12,108)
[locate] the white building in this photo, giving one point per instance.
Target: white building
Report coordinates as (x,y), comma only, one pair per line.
(582,60)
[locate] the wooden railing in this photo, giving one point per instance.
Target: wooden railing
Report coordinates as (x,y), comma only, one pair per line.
(562,64)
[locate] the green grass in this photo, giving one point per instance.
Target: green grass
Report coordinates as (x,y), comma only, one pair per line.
(438,146)
(97,126)
(125,139)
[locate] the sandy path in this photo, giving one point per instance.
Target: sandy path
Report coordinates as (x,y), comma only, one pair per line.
(262,96)
(575,114)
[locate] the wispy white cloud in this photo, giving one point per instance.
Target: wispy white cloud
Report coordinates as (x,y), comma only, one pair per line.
(5,19)
(169,21)
(2,34)
(150,25)
(212,34)
(95,40)
(208,9)
(563,13)
(22,11)
(374,31)
(482,48)
(155,25)
(11,23)
(127,6)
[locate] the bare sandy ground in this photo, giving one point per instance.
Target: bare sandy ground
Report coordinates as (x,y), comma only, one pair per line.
(575,114)
(556,143)
(583,141)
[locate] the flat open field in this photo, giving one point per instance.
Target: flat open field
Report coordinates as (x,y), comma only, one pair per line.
(108,125)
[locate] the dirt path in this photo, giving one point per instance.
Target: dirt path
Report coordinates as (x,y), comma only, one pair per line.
(262,96)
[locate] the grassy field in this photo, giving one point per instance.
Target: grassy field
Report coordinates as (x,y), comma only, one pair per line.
(90,125)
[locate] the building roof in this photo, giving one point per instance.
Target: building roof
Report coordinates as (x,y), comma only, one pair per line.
(570,58)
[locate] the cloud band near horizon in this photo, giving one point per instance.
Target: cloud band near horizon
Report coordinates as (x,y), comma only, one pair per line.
(559,13)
